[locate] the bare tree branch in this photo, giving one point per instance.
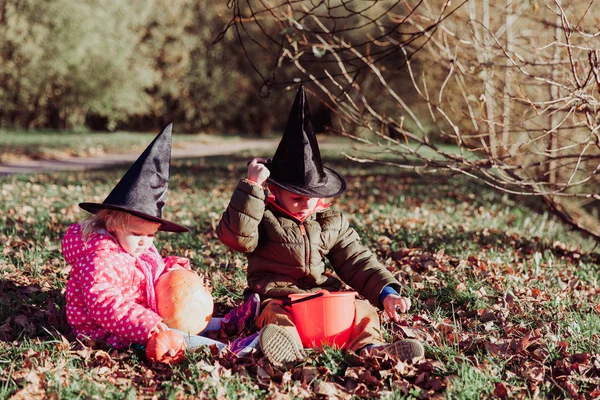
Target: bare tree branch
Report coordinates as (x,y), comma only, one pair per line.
(507,94)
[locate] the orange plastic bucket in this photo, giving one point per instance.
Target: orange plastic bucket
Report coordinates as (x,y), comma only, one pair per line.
(325,320)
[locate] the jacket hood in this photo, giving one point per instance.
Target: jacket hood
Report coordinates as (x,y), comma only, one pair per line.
(74,247)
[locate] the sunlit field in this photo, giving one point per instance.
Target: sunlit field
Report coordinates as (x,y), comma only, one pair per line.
(504,295)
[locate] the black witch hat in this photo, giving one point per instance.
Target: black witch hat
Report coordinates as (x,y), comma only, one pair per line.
(297,166)
(143,189)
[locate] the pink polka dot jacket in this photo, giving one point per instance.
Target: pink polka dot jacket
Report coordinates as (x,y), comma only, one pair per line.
(110,293)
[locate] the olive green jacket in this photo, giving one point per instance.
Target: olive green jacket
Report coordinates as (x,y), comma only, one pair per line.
(286,255)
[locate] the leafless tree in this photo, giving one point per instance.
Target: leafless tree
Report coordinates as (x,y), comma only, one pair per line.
(504,92)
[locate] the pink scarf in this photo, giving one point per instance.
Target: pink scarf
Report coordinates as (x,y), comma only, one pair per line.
(152,266)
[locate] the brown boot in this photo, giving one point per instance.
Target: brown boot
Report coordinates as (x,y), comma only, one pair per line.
(404,350)
(279,346)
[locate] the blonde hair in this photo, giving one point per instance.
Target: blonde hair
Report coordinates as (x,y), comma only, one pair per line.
(110,220)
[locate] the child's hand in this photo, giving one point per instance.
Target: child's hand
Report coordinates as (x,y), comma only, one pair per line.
(392,302)
(258,172)
(159,328)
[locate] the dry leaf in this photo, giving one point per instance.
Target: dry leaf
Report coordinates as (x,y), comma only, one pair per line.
(417,333)
(324,388)
(534,372)
(308,374)
(501,391)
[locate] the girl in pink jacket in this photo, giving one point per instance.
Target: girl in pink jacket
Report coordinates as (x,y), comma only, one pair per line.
(110,292)
(115,265)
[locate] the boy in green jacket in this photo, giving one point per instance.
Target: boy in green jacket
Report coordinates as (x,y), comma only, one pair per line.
(287,235)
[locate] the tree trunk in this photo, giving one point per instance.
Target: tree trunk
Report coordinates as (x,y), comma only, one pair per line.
(484,58)
(510,19)
(553,118)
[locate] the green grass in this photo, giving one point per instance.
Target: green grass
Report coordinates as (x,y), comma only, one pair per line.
(484,271)
(471,383)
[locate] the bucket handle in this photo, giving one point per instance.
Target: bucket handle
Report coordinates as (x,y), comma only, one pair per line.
(314,296)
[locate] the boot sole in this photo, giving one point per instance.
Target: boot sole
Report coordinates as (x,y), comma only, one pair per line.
(279,346)
(404,350)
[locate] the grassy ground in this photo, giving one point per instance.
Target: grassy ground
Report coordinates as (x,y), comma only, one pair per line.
(18,145)
(504,296)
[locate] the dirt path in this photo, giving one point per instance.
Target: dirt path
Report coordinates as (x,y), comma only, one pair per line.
(191,150)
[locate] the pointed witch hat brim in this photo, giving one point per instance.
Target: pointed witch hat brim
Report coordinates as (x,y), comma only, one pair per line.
(143,189)
(297,166)
(335,186)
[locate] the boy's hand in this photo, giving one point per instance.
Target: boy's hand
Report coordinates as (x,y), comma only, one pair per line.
(392,302)
(258,172)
